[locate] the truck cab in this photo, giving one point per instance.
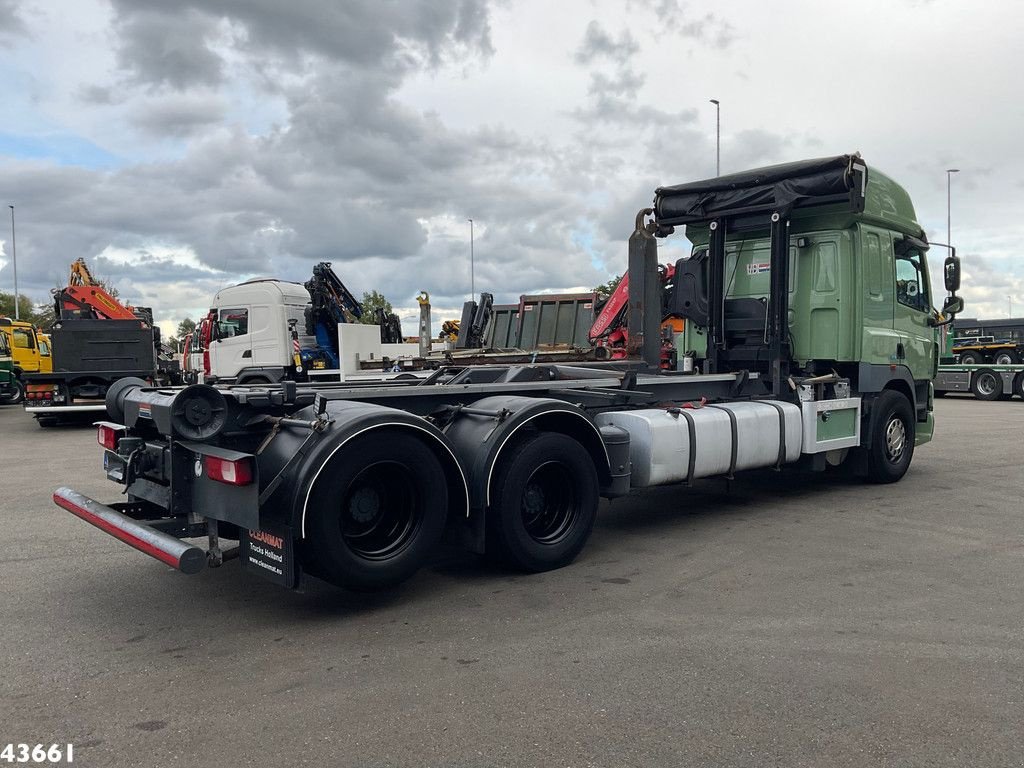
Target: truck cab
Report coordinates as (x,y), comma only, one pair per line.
(45,352)
(859,296)
(21,337)
(252,330)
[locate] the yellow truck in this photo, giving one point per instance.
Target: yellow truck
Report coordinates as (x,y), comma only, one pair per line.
(24,344)
(45,352)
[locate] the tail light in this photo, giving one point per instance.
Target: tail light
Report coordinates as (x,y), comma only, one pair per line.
(106,436)
(237,472)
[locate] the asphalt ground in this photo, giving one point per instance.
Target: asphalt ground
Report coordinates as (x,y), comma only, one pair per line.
(783,619)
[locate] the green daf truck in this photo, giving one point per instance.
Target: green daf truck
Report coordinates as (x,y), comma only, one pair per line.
(810,339)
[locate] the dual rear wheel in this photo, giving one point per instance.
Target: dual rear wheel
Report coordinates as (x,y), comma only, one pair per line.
(381,503)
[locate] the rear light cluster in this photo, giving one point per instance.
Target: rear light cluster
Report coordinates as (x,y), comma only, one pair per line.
(107,436)
(40,392)
(237,472)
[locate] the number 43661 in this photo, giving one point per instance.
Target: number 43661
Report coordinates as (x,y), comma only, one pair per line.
(38,753)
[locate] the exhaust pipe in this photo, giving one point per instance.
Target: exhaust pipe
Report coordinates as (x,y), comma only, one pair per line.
(164,547)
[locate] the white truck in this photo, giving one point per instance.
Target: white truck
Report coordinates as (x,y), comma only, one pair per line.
(264,331)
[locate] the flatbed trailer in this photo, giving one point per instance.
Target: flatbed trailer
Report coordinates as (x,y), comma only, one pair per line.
(355,483)
(985,382)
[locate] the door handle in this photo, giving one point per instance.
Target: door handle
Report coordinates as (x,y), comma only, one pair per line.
(247,353)
(901,353)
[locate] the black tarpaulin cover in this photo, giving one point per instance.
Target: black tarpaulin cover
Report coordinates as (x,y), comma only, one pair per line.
(773,188)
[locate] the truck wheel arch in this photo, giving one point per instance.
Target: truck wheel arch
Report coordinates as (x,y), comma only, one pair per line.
(480,441)
(458,486)
(566,422)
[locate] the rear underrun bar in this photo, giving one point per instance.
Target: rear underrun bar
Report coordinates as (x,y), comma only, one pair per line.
(164,547)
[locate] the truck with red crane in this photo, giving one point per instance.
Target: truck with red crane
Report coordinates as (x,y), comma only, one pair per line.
(96,340)
(806,353)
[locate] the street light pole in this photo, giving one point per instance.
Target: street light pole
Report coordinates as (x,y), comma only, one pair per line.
(949,199)
(472,276)
(718,136)
(14,259)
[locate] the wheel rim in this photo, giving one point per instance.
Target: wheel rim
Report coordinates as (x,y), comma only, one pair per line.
(1004,360)
(968,359)
(549,505)
(381,511)
(895,439)
(987,383)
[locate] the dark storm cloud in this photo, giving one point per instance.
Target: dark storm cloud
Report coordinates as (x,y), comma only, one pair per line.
(177,44)
(178,115)
(710,29)
(11,23)
(598,43)
(676,17)
(169,46)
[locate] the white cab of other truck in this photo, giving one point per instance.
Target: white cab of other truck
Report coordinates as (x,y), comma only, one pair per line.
(252,326)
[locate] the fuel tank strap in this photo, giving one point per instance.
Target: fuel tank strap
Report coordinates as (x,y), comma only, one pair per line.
(782,431)
(691,429)
(735,437)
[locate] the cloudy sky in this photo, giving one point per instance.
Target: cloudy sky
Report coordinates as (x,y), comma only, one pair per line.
(184,146)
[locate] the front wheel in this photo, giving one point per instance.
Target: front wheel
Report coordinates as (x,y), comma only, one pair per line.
(892,437)
(376,512)
(16,395)
(544,503)
(970,358)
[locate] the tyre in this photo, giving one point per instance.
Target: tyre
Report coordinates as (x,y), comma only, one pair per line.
(544,503)
(970,358)
(1006,357)
(46,422)
(892,437)
(16,395)
(376,512)
(986,384)
(1018,385)
(255,381)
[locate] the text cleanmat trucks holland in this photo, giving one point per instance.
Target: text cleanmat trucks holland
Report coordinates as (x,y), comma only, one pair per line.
(804,314)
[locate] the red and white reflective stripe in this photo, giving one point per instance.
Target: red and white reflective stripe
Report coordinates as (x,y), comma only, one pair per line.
(118,533)
(295,346)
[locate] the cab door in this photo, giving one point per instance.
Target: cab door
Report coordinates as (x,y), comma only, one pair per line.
(231,346)
(913,310)
(26,351)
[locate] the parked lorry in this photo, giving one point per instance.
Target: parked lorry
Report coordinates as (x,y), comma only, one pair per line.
(22,338)
(265,330)
(808,347)
(961,371)
(96,340)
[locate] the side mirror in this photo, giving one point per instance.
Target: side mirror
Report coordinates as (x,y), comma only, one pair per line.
(951,273)
(953,305)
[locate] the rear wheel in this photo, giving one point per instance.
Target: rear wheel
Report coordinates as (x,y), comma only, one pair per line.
(1006,357)
(376,512)
(892,437)
(544,503)
(986,384)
